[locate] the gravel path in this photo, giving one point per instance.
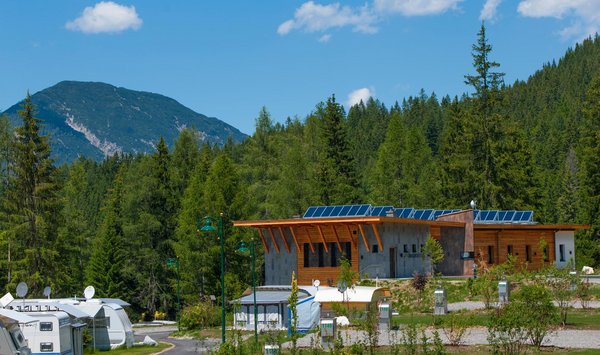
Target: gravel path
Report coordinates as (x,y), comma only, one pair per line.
(582,339)
(471,305)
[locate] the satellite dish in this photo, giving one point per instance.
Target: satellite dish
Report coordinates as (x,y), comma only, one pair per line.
(47,291)
(342,287)
(316,283)
(22,289)
(473,204)
(89,292)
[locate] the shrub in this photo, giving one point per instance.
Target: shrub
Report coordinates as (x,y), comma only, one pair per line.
(538,310)
(200,316)
(507,330)
(455,326)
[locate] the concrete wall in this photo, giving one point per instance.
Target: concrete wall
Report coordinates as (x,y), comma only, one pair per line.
(279,266)
(393,235)
(452,240)
(567,240)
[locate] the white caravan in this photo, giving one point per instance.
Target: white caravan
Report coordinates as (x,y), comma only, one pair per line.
(51,334)
(12,341)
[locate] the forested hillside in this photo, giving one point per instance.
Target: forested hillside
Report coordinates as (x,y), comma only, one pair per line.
(113,224)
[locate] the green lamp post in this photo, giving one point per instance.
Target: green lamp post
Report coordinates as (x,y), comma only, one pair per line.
(244,248)
(170,263)
(209,228)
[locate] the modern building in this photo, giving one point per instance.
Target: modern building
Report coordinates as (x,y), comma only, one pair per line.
(387,242)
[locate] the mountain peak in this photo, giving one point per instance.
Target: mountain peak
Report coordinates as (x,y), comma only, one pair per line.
(96,119)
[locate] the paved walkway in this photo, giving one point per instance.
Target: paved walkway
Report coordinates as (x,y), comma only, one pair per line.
(581,339)
(471,305)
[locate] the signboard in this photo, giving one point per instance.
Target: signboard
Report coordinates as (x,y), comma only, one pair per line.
(467,255)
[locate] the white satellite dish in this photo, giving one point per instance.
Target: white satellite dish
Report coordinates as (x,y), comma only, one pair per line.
(89,292)
(47,291)
(473,204)
(316,283)
(22,289)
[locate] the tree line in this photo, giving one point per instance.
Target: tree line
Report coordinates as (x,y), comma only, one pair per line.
(113,224)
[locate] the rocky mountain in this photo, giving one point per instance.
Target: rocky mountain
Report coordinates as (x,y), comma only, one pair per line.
(95,120)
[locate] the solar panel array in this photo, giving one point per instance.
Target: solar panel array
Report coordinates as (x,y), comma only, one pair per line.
(479,216)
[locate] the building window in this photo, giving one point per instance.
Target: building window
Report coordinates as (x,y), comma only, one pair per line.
(306,255)
(406,248)
(348,251)
(46,326)
(333,260)
(509,250)
(46,347)
(414,248)
(490,254)
(321,256)
(527,253)
(375,248)
(561,252)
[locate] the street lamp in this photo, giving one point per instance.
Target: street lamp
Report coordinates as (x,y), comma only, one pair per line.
(170,263)
(209,228)
(243,248)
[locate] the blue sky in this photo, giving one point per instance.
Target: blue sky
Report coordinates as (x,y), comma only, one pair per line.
(228,59)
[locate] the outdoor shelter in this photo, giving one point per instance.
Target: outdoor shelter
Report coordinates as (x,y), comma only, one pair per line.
(357,298)
(272,307)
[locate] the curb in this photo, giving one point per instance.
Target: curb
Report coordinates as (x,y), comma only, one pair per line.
(165,350)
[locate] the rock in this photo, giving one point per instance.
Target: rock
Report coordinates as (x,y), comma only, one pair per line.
(587,270)
(149,341)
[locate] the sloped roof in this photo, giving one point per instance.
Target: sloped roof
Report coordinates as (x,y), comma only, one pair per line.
(360,294)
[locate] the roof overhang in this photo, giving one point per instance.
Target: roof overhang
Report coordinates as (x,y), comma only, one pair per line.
(346,220)
(555,227)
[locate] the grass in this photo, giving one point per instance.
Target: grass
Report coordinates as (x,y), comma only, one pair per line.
(583,319)
(136,350)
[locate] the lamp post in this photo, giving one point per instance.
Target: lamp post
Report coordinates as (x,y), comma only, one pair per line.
(243,248)
(170,263)
(209,228)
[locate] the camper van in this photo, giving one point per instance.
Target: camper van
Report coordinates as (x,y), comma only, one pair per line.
(12,341)
(51,334)
(120,331)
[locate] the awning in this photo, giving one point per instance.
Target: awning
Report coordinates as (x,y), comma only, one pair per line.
(9,316)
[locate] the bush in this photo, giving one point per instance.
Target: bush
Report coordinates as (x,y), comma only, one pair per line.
(540,313)
(200,316)
(455,327)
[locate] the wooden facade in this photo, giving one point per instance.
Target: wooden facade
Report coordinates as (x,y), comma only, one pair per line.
(317,243)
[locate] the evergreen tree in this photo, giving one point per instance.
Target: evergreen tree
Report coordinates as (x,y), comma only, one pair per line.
(109,268)
(336,175)
(186,154)
(31,206)
(6,152)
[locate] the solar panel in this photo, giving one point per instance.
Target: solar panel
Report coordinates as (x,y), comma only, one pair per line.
(404,212)
(381,210)
(363,210)
(423,214)
(508,217)
(476,214)
(309,212)
(527,216)
(517,216)
(336,210)
(345,210)
(327,211)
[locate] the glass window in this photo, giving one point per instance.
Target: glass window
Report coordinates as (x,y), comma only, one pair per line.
(414,248)
(46,326)
(561,251)
(490,254)
(375,248)
(46,347)
(509,249)
(527,253)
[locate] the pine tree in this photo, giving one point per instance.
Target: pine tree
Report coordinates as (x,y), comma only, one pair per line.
(185,157)
(336,175)
(32,208)
(109,263)
(6,152)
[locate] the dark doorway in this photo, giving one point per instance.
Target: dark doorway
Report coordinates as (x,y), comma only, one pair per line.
(392,263)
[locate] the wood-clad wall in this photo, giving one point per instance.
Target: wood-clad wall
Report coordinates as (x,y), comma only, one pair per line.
(328,273)
(518,239)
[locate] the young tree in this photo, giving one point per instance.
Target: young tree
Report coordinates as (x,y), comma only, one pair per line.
(434,251)
(293,304)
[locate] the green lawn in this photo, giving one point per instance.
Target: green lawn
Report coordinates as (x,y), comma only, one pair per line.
(136,350)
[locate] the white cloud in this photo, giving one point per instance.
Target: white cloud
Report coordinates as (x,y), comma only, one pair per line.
(489,10)
(106,16)
(415,7)
(359,94)
(584,14)
(325,38)
(312,17)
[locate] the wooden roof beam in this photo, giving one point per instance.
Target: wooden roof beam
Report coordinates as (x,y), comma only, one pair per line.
(337,238)
(323,238)
(364,236)
(273,239)
(350,235)
(287,246)
(262,238)
(310,243)
(295,239)
(376,231)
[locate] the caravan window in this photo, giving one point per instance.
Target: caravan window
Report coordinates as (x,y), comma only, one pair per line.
(46,347)
(46,326)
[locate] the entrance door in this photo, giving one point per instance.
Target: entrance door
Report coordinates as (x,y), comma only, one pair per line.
(392,263)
